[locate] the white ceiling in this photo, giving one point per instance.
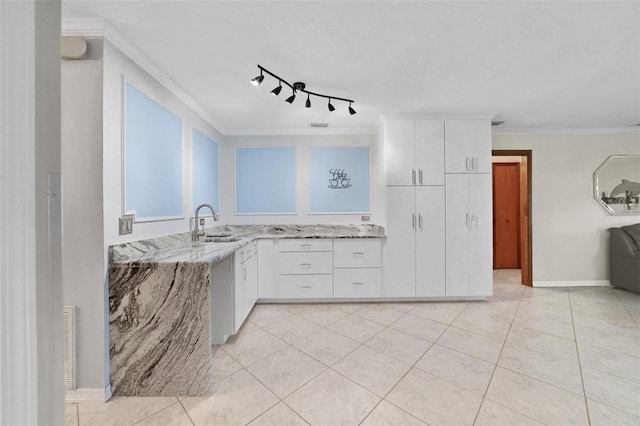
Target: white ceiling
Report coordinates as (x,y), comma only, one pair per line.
(536,65)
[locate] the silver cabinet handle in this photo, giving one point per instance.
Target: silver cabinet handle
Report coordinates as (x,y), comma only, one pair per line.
(420,176)
(413,176)
(420,221)
(413,221)
(305,245)
(357,283)
(305,265)
(474,222)
(466,220)
(358,253)
(244,274)
(474,164)
(467,165)
(305,286)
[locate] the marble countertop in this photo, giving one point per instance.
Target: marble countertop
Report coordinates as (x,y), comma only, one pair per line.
(180,248)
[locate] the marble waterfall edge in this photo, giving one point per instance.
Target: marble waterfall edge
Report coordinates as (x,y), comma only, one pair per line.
(159,329)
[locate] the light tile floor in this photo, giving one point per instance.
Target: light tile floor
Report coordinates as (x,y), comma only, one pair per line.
(526,356)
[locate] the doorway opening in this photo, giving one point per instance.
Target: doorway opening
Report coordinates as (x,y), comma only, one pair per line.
(511,173)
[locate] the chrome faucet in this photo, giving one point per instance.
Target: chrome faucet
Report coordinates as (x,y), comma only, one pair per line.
(196,233)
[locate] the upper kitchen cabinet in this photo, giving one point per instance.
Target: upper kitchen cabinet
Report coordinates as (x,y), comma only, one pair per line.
(414,152)
(468,146)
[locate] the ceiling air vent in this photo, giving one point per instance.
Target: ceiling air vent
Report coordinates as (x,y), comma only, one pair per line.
(319,124)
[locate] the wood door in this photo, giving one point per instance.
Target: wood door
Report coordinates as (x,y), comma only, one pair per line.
(506,216)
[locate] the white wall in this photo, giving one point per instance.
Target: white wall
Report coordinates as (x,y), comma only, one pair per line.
(83,240)
(31,380)
(302,143)
(570,237)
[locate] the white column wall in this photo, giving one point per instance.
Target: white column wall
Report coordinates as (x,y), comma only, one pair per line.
(31,380)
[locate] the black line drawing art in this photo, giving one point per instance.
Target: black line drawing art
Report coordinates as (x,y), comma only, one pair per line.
(339,179)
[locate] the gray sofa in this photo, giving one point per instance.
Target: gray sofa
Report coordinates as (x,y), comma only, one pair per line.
(624,257)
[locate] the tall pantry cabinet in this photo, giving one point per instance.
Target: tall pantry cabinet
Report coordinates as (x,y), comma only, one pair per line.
(414,263)
(438,208)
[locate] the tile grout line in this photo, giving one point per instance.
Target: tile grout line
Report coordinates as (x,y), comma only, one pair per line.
(626,309)
(495,367)
(584,388)
(186,412)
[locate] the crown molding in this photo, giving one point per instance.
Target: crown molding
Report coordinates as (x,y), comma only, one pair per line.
(104,28)
(302,132)
(580,131)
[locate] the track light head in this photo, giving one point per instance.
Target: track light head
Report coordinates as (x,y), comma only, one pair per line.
(308,103)
(291,98)
(257,80)
(351,110)
(276,91)
(331,107)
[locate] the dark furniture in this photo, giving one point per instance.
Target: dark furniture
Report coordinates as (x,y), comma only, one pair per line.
(624,257)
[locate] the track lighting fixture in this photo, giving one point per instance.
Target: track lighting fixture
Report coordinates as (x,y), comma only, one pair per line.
(276,91)
(257,80)
(291,98)
(299,87)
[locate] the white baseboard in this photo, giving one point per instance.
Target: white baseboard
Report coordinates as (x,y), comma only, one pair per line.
(88,395)
(579,283)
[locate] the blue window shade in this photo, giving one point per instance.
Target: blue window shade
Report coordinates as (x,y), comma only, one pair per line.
(153,150)
(265,180)
(339,180)
(205,171)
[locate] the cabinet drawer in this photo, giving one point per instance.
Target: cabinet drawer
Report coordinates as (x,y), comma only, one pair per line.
(305,263)
(248,251)
(357,253)
(357,282)
(306,244)
(305,286)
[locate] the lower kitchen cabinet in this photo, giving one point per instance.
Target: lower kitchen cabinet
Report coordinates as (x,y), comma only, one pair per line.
(305,286)
(357,282)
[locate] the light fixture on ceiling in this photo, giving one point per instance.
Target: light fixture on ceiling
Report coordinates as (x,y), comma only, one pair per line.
(276,91)
(299,87)
(256,81)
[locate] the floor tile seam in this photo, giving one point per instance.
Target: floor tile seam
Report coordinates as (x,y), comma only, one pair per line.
(601,370)
(379,323)
(399,408)
(395,357)
(508,408)
(298,414)
(604,331)
(626,379)
(353,381)
(612,407)
(552,357)
(481,395)
(262,413)
(463,353)
(611,350)
(297,340)
(480,332)
(186,412)
(77,415)
(258,360)
(424,318)
(582,381)
(177,401)
(606,321)
(495,367)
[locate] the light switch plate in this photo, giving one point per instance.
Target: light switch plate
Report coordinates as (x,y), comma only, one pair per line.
(366,218)
(126,224)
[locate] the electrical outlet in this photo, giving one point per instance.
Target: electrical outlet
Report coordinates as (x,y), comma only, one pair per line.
(126,224)
(366,218)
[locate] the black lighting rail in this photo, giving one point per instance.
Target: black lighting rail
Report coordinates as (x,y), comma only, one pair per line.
(296,87)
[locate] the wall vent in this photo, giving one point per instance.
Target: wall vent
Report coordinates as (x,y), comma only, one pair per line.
(69,348)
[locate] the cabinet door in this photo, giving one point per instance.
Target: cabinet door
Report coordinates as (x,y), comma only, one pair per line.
(480,145)
(266,268)
(430,241)
(480,236)
(250,289)
(457,235)
(400,151)
(238,286)
(430,152)
(398,252)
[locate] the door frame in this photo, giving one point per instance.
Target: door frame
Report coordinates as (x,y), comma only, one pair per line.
(527,255)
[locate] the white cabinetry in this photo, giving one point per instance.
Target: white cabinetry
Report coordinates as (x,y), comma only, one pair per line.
(246,283)
(468,146)
(414,152)
(414,261)
(305,268)
(469,235)
(356,271)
